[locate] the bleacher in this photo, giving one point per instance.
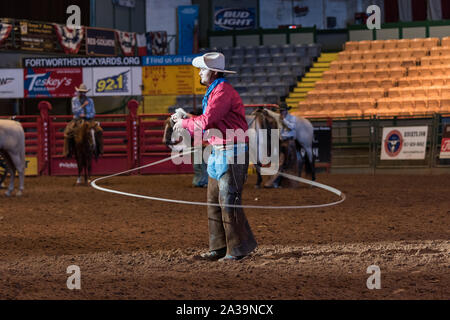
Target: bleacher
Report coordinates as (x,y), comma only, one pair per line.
(265,74)
(384,78)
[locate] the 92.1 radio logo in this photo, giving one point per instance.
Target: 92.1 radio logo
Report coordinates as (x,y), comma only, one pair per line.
(113,84)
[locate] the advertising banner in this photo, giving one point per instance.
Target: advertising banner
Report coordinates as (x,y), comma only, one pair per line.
(187,29)
(170,75)
(36,36)
(51,82)
(100,42)
(226,18)
(111,81)
(11,83)
(445,143)
(404,143)
(168,80)
(67,62)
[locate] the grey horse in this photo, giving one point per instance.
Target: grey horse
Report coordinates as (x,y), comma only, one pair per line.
(12,146)
(263,118)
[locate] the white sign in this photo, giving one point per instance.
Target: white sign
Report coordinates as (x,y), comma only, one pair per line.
(404,143)
(11,83)
(111,81)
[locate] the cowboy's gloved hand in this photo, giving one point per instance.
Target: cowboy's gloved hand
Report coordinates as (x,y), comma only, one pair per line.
(178,125)
(174,117)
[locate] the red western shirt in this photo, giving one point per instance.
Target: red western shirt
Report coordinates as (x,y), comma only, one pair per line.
(225,110)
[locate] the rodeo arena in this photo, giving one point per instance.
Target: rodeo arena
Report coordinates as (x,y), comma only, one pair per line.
(223,150)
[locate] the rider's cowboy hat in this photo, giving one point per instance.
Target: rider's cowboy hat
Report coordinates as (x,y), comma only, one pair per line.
(82,88)
(214,61)
(284,107)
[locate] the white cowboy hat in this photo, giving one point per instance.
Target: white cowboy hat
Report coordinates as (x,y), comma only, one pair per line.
(82,88)
(214,61)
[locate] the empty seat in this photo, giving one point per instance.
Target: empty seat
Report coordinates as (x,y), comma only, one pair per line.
(403,43)
(274,49)
(377,45)
(301,49)
(287,48)
(259,68)
(292,57)
(250,59)
(278,58)
(264,59)
(285,68)
(251,50)
(288,79)
(238,51)
(430,42)
(390,44)
(416,43)
(313,50)
(364,45)
(351,45)
(262,50)
(237,59)
(445,42)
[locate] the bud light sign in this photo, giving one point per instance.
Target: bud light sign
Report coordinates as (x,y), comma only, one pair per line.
(234,18)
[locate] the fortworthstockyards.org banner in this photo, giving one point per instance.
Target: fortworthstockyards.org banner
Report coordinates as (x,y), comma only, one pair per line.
(81,62)
(404,143)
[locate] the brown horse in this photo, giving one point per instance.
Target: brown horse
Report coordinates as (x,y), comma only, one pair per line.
(84,150)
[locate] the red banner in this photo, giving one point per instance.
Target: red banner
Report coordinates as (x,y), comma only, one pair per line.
(51,82)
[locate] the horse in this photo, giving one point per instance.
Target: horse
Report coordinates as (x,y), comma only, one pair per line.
(84,149)
(263,118)
(12,147)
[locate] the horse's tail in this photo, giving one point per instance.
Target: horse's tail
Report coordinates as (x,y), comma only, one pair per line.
(309,164)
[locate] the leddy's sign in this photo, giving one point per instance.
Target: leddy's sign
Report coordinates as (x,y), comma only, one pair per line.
(404,143)
(100,42)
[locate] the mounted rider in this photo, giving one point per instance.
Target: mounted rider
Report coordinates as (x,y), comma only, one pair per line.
(83,111)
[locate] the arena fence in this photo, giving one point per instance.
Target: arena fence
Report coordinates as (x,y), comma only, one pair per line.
(132,140)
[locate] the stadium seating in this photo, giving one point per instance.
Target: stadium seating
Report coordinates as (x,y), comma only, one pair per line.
(403,77)
(265,74)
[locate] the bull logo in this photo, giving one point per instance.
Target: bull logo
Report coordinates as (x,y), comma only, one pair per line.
(393,143)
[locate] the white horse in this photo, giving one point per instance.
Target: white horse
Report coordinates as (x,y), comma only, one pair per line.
(12,146)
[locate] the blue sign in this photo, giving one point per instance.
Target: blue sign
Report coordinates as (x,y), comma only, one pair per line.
(187,29)
(168,60)
(234,18)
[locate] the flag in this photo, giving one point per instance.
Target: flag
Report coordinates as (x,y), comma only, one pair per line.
(127,42)
(69,39)
(416,10)
(141,40)
(5,30)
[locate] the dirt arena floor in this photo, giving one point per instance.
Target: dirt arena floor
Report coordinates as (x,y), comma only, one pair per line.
(131,248)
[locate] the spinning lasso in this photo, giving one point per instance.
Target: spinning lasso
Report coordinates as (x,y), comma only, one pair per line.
(312,183)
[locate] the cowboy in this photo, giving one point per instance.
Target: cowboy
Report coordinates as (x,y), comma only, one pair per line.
(83,111)
(230,236)
(288,149)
